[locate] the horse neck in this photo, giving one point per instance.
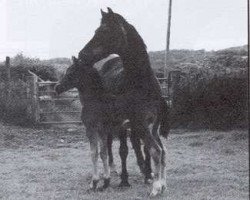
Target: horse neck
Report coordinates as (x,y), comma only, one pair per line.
(135,56)
(92,91)
(88,95)
(136,60)
(136,64)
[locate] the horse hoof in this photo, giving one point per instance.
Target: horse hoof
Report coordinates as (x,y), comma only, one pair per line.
(157,189)
(163,188)
(93,185)
(124,184)
(100,189)
(105,185)
(90,190)
(143,171)
(148,181)
(148,178)
(152,194)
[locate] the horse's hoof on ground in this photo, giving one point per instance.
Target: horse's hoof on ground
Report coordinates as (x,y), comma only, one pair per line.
(93,185)
(142,169)
(101,189)
(163,188)
(124,184)
(157,189)
(90,190)
(148,181)
(105,185)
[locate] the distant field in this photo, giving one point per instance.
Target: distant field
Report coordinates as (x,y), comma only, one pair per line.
(55,164)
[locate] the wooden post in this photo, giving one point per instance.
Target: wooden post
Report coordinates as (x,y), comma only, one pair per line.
(36,100)
(29,109)
(33,109)
(169,25)
(168,41)
(176,76)
(8,77)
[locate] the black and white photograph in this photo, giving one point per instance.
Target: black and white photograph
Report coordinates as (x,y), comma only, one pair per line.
(124,100)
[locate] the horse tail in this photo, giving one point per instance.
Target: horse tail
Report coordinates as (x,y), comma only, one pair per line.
(164,116)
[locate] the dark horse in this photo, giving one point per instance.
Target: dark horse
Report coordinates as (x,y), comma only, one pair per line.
(112,74)
(140,94)
(102,117)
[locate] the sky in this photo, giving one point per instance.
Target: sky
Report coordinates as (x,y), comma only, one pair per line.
(60,28)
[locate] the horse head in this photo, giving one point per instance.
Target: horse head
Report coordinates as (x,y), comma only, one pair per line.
(109,38)
(76,75)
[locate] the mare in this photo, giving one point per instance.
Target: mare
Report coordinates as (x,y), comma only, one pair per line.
(112,74)
(101,117)
(139,97)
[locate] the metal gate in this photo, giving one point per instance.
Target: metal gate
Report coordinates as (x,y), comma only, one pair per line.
(46,107)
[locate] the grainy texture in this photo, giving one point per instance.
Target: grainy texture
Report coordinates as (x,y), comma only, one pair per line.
(55,164)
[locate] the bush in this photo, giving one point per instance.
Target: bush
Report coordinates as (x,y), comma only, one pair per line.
(217,103)
(16,109)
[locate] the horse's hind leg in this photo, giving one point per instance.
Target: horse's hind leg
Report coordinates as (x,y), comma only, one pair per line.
(93,140)
(110,153)
(104,157)
(136,144)
(147,166)
(163,162)
(123,151)
(156,154)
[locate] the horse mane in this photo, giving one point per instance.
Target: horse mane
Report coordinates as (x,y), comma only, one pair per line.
(138,63)
(135,39)
(140,59)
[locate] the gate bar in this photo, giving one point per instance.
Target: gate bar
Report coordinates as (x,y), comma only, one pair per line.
(62,122)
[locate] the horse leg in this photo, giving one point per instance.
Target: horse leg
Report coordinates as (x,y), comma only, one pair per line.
(110,154)
(104,157)
(123,151)
(144,164)
(93,140)
(155,134)
(136,144)
(155,151)
(148,169)
(163,163)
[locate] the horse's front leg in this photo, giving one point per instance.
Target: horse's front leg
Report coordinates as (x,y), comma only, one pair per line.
(104,156)
(163,161)
(144,163)
(155,151)
(110,154)
(93,140)
(123,151)
(136,144)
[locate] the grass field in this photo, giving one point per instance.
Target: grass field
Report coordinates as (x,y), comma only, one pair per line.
(54,163)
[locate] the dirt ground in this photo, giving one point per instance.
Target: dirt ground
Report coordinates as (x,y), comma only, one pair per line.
(54,163)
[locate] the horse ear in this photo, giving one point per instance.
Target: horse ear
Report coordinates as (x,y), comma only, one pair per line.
(74,59)
(110,10)
(103,13)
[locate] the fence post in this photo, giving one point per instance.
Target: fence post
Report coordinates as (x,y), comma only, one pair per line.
(33,110)
(29,95)
(8,77)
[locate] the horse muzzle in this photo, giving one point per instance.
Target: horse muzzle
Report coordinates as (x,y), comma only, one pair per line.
(58,88)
